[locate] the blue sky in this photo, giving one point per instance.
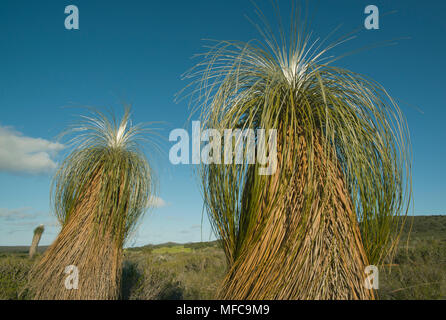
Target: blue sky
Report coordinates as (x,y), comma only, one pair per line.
(135,52)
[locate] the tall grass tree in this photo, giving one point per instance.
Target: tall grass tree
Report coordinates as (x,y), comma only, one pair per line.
(343,167)
(99,193)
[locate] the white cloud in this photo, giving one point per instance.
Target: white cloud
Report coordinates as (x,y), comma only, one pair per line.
(12,214)
(19,153)
(157,202)
(25,219)
(17,226)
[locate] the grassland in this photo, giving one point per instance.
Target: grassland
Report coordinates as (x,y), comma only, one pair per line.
(194,270)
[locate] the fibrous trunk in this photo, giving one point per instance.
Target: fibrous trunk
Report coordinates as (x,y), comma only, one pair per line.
(87,245)
(34,244)
(306,243)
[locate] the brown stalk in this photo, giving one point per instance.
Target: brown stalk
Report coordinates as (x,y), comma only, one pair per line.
(285,257)
(35,242)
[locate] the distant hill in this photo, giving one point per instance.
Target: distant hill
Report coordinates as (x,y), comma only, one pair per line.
(192,245)
(426,227)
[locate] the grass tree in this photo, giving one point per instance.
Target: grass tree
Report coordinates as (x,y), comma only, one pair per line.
(343,173)
(99,192)
(36,239)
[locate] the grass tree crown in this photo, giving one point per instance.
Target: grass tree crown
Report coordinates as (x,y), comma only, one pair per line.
(289,84)
(39,229)
(105,154)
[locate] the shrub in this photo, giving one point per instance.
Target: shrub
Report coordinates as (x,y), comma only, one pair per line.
(13,277)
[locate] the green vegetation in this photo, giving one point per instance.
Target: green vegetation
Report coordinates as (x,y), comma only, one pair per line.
(175,249)
(14,268)
(173,273)
(419,270)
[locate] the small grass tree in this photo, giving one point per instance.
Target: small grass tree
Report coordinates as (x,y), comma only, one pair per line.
(36,239)
(343,173)
(99,193)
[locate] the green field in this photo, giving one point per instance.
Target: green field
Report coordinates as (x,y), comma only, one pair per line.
(194,270)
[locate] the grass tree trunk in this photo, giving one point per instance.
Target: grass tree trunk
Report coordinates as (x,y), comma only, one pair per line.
(96,256)
(287,256)
(36,239)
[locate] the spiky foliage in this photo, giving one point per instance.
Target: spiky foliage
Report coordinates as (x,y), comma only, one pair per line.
(99,193)
(308,230)
(36,239)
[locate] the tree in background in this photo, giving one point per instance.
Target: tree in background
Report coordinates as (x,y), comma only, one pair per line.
(36,239)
